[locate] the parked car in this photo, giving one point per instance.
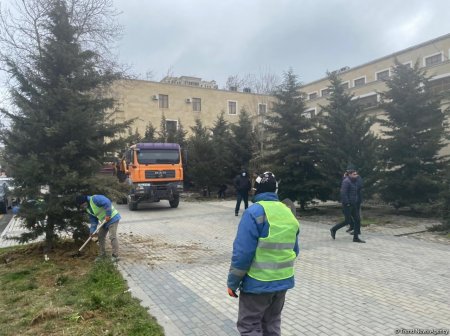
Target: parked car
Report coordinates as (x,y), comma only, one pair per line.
(9,181)
(6,199)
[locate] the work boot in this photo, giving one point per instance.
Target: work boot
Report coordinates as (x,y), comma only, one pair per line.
(236,213)
(357,240)
(115,258)
(333,233)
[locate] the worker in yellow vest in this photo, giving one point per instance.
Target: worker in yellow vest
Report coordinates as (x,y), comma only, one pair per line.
(262,265)
(100,209)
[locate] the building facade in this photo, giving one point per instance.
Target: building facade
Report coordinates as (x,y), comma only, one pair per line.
(183,102)
(184,99)
(366,81)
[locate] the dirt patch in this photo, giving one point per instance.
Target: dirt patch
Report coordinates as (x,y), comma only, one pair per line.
(156,251)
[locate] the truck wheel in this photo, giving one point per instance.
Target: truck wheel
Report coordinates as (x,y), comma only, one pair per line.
(132,206)
(174,203)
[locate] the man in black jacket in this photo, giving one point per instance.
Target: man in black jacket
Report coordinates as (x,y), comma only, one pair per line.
(243,185)
(351,201)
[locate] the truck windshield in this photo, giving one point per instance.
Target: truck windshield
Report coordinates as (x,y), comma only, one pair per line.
(155,156)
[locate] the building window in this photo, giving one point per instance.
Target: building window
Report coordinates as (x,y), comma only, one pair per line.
(359,82)
(368,101)
(309,113)
(345,85)
(440,85)
(232,107)
(196,104)
(382,75)
(325,92)
(312,95)
(171,126)
(432,60)
(262,108)
(163,101)
(408,64)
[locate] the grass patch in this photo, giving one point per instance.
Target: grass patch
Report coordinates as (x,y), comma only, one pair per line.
(371,221)
(66,296)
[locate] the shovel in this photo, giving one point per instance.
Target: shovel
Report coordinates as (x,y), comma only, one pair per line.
(99,226)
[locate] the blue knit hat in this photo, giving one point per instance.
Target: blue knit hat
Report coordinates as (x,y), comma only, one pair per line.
(80,199)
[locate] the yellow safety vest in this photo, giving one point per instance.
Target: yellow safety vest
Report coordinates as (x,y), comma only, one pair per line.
(99,212)
(275,255)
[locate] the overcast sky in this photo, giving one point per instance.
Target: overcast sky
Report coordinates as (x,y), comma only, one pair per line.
(215,39)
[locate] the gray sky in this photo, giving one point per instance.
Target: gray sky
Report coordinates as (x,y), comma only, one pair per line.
(214,39)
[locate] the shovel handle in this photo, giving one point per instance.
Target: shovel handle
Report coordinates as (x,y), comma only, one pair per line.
(90,237)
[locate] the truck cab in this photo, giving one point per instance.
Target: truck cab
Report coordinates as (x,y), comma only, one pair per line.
(155,172)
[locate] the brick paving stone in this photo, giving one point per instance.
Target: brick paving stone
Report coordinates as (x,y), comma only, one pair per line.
(342,288)
(176,261)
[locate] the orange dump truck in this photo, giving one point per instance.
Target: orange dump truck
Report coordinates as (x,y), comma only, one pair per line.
(155,172)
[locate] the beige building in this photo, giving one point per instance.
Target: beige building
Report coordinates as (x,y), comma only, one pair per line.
(184,99)
(188,98)
(366,81)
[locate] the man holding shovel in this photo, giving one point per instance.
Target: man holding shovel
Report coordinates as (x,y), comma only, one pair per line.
(101,210)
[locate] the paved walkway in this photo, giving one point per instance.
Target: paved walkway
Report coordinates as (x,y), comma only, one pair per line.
(176,261)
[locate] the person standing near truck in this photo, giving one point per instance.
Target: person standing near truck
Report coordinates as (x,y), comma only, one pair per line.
(243,185)
(100,209)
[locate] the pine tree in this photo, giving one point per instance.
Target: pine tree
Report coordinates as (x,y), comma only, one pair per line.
(150,133)
(345,139)
(133,138)
(242,144)
(180,135)
(292,145)
(414,129)
(201,152)
(222,156)
(57,132)
(162,133)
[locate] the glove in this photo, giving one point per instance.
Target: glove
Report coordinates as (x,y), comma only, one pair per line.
(107,219)
(94,237)
(232,293)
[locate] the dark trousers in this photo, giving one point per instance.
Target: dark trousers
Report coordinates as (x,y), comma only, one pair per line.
(260,314)
(241,196)
(351,214)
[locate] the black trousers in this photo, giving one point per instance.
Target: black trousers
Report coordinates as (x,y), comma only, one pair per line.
(241,196)
(351,214)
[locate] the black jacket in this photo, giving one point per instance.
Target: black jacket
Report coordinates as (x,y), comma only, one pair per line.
(242,183)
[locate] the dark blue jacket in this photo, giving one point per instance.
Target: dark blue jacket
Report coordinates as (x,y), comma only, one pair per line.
(350,191)
(252,226)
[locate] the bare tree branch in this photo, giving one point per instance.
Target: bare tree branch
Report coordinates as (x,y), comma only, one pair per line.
(265,82)
(22,29)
